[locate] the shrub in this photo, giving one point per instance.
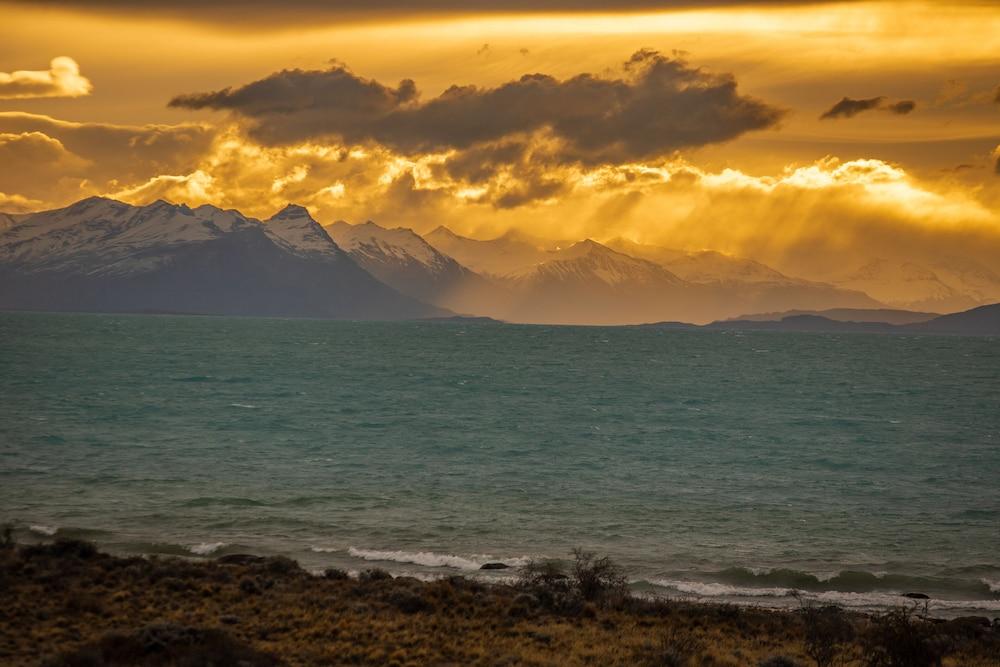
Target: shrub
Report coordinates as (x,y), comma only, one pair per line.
(374,574)
(827,629)
(897,639)
(598,579)
(334,573)
(547,582)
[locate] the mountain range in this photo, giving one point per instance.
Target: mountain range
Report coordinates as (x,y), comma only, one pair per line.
(103,255)
(106,256)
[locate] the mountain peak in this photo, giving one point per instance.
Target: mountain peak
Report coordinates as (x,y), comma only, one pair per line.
(291,211)
(442,231)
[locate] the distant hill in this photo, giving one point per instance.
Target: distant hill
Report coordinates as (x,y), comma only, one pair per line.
(885,315)
(981,321)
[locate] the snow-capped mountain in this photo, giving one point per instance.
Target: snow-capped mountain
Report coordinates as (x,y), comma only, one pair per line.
(103,236)
(589,283)
(706,266)
(588,262)
(295,230)
(107,256)
(506,254)
(741,285)
(402,259)
(916,286)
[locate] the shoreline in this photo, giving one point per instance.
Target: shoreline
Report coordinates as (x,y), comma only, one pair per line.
(69,604)
(853,588)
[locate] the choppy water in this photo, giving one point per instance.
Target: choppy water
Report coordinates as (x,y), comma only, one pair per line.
(728,466)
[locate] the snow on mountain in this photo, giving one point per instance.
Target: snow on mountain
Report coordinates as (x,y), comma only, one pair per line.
(705,266)
(908,285)
(105,256)
(510,253)
(589,283)
(294,229)
(402,259)
(6,221)
(108,236)
(381,245)
(970,278)
(590,262)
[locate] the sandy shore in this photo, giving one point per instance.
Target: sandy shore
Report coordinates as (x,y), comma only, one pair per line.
(68,604)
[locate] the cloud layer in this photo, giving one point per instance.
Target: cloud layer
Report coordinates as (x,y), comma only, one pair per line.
(62,79)
(657,105)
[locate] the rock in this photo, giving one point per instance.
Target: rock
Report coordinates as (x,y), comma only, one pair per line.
(917,596)
(494,566)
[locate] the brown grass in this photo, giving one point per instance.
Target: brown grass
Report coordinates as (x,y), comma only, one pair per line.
(67,604)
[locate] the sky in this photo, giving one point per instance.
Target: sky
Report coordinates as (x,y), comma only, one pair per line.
(813,136)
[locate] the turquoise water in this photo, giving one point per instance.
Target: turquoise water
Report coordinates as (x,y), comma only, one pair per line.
(709,464)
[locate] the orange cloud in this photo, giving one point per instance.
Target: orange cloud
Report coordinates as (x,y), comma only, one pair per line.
(62,79)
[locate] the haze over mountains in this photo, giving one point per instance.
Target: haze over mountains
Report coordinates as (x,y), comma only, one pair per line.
(104,255)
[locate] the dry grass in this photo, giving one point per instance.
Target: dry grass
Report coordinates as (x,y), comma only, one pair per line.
(67,604)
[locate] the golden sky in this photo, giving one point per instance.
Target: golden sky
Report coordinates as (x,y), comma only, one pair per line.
(808,135)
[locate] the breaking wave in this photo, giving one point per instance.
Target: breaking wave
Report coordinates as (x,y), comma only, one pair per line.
(431,559)
(206,548)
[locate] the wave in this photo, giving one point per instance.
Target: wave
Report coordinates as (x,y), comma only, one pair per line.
(206,548)
(224,501)
(247,406)
(42,529)
(431,559)
(852,581)
(847,599)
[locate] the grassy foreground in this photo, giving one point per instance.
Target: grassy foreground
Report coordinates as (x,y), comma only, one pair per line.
(67,604)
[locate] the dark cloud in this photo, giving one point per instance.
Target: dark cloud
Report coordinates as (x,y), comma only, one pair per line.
(996,99)
(848,108)
(657,106)
(902,107)
(263,13)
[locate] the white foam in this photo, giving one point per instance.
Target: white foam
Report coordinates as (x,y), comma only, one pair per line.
(324,550)
(42,529)
(860,601)
(993,585)
(206,548)
(243,405)
(711,590)
(431,559)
